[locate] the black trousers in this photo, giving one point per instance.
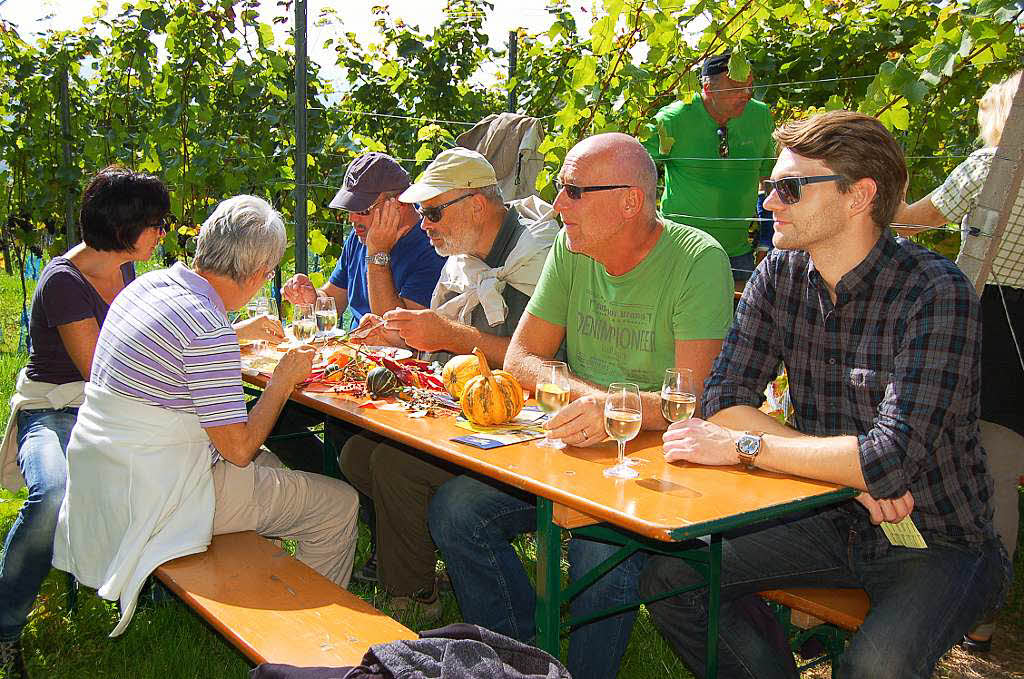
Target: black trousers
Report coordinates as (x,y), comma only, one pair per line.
(1002,376)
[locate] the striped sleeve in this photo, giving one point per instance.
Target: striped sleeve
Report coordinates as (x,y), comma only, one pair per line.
(212,365)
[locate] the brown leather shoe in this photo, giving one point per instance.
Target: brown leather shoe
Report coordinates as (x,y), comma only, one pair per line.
(425,601)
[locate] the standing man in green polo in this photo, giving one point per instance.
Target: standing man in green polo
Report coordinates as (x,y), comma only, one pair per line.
(716,148)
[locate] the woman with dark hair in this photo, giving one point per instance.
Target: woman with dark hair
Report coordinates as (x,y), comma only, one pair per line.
(123,218)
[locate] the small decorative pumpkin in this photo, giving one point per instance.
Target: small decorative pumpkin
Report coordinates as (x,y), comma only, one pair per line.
(381,383)
(492,397)
(457,372)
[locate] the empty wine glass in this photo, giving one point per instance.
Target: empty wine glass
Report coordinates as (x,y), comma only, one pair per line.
(303,325)
(678,399)
(623,416)
(326,314)
(553,395)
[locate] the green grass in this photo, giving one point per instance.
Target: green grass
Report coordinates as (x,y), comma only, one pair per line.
(166,641)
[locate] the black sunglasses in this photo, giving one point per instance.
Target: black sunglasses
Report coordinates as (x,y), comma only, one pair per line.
(723,142)
(788,188)
(576,192)
(433,214)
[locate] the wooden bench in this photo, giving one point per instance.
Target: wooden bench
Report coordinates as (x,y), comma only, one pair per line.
(274,608)
(827,615)
(844,608)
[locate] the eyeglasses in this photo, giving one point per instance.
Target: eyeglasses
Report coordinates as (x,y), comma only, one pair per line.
(576,192)
(367,211)
(788,188)
(723,142)
(433,214)
(163,226)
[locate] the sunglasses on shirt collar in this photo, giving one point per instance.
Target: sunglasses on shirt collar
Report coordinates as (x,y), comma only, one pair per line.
(788,188)
(723,142)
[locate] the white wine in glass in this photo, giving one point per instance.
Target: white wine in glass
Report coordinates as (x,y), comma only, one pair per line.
(303,326)
(553,395)
(257,306)
(678,400)
(623,416)
(326,314)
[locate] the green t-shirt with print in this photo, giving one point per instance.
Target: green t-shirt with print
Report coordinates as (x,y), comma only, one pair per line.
(700,183)
(624,328)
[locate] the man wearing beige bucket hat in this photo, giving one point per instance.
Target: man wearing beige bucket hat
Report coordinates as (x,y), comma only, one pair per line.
(495,255)
(496,252)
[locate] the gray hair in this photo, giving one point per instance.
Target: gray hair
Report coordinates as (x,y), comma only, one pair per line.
(492,194)
(243,237)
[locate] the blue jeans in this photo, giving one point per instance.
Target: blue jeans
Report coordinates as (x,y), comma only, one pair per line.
(473,524)
(742,266)
(922,600)
(42,445)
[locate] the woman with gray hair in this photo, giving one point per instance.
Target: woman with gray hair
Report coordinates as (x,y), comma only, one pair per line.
(165,455)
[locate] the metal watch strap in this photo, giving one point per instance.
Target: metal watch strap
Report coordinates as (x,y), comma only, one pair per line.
(380,258)
(747,456)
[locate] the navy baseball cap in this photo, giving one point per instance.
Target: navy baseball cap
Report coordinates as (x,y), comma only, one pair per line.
(716,64)
(366,178)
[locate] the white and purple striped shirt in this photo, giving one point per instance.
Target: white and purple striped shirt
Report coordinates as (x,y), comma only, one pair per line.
(167,342)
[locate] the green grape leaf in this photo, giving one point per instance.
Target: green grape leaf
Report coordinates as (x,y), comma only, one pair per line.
(665,142)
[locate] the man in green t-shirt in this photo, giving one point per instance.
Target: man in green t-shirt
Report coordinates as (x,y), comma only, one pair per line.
(631,294)
(716,148)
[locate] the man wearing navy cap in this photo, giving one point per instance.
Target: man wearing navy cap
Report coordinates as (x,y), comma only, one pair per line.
(387,262)
(715,148)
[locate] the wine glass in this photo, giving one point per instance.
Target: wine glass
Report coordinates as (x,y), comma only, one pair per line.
(270,308)
(256,306)
(326,314)
(623,416)
(303,325)
(553,395)
(678,400)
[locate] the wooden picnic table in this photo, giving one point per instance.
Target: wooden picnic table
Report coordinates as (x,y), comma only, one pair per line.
(666,505)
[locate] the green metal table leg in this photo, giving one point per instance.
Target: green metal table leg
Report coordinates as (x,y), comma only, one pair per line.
(714,601)
(549,571)
(331,467)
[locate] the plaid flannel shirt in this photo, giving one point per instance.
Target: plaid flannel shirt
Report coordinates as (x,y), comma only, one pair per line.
(959,193)
(895,361)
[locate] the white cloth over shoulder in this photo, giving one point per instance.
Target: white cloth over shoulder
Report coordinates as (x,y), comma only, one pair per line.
(475,283)
(32,395)
(140,492)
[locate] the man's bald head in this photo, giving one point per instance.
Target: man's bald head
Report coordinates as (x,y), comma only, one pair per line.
(616,158)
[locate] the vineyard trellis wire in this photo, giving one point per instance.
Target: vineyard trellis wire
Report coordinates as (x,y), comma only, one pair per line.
(213,113)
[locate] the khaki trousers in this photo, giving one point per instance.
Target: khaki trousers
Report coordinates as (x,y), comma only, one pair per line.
(316,511)
(401,485)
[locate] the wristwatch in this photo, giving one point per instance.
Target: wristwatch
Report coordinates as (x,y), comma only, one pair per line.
(380,258)
(748,445)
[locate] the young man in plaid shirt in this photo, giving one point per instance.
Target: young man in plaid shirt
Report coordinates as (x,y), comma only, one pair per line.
(881,340)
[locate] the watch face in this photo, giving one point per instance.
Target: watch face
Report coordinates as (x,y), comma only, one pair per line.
(748,445)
